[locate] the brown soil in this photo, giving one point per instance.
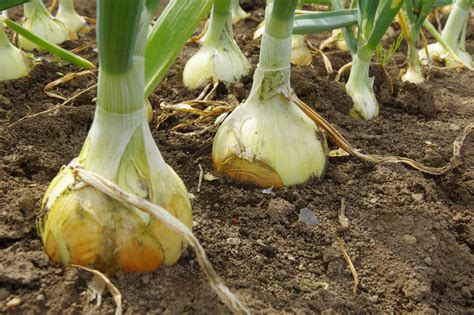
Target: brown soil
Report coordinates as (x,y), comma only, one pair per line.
(411,236)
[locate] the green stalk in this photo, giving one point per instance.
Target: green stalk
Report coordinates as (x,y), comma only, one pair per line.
(414,66)
(324,21)
(49,47)
(347,31)
(416,11)
(275,48)
(455,24)
(381,25)
(120,85)
(177,22)
(280,23)
(220,19)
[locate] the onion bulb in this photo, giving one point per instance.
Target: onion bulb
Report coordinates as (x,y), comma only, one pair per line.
(219,57)
(13,63)
(359,87)
(69,17)
(41,23)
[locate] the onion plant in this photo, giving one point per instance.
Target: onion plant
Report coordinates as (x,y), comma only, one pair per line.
(70,18)
(83,225)
(39,21)
(374,18)
(450,47)
(219,58)
(416,11)
(268,140)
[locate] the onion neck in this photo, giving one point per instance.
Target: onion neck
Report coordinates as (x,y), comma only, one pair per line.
(456,21)
(273,70)
(31,8)
(66,5)
(220,22)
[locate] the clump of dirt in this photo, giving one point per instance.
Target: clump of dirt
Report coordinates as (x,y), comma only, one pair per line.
(410,235)
(417,100)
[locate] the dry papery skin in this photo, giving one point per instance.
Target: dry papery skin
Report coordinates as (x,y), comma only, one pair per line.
(410,235)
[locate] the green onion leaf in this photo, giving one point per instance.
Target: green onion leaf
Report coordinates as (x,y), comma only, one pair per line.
(324,21)
(7,4)
(382,23)
(442,3)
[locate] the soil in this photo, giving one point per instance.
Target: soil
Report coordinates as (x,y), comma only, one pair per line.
(410,235)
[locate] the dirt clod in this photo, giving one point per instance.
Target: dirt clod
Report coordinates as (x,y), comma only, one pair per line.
(410,235)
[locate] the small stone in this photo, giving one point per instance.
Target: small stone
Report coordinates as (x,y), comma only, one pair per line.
(466,293)
(417,197)
(307,216)
(146,279)
(409,239)
(454,127)
(416,290)
(3,294)
(278,210)
(374,298)
(427,261)
(40,298)
(233,241)
(281,274)
(13,302)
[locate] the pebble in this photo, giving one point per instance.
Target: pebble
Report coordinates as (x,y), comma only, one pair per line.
(417,197)
(281,274)
(233,241)
(454,127)
(13,302)
(466,293)
(427,261)
(307,216)
(409,239)
(40,298)
(146,279)
(374,298)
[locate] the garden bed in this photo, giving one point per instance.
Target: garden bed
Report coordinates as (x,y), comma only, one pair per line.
(410,235)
